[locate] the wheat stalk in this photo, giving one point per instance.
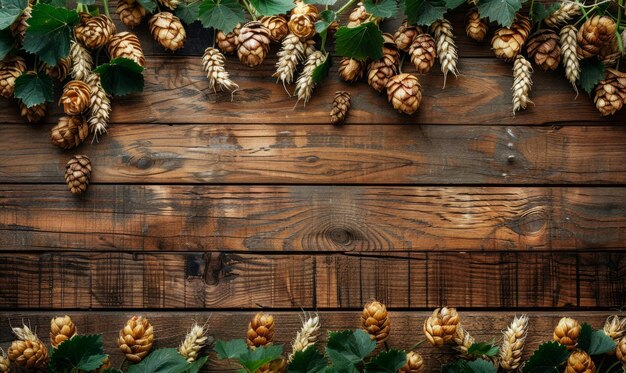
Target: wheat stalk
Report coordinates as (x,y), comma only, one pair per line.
(290,55)
(567,10)
(307,336)
(81,61)
(569,57)
(513,343)
(305,83)
(446,49)
(194,341)
(615,327)
(463,339)
(522,73)
(99,107)
(219,80)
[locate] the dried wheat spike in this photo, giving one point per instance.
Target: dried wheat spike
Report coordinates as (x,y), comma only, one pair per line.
(306,336)
(194,341)
(446,49)
(522,82)
(513,339)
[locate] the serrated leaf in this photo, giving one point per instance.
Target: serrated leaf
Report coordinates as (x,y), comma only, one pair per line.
(500,11)
(483,349)
(6,43)
(33,89)
(121,76)
(82,352)
(386,362)
(321,71)
(546,358)
(591,73)
(10,10)
(540,12)
(163,360)
(272,7)
(49,31)
(349,347)
(149,5)
(188,12)
(307,361)
(255,359)
(55,3)
(325,19)
(458,366)
(381,8)
(231,349)
(424,12)
(321,2)
(481,366)
(361,42)
(584,338)
(221,14)
(453,4)
(600,343)
(194,367)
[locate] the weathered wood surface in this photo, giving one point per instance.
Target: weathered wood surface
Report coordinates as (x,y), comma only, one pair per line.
(225,280)
(322,154)
(406,328)
(311,218)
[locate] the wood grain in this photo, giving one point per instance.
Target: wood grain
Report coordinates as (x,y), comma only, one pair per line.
(311,218)
(319,154)
(406,328)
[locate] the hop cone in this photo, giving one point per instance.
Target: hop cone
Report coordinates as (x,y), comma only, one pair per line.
(441,326)
(610,53)
(566,332)
(580,362)
(341,105)
(254,43)
(380,71)
(136,338)
(126,45)
(61,329)
(229,42)
(620,350)
(359,15)
(405,35)
(446,49)
(169,4)
(19,27)
(351,70)
(289,56)
(4,362)
(305,83)
(414,363)
(219,79)
(302,25)
(507,42)
(61,70)
(611,92)
(27,351)
(194,341)
(475,27)
(375,320)
(423,53)
(77,174)
(33,114)
(522,82)
(544,46)
(260,330)
(277,26)
(595,33)
(615,327)
(513,339)
(130,12)
(569,56)
(76,97)
(167,30)
(404,92)
(304,8)
(10,69)
(94,32)
(70,132)
(566,11)
(82,62)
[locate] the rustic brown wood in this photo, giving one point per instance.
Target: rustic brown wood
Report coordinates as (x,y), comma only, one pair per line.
(406,328)
(311,218)
(310,154)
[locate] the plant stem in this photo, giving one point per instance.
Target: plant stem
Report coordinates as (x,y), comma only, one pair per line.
(386,346)
(400,72)
(345,6)
(612,366)
(214,36)
(105,3)
(418,344)
(250,9)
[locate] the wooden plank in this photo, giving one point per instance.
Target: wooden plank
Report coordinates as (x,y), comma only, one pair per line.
(311,218)
(310,154)
(170,328)
(177,92)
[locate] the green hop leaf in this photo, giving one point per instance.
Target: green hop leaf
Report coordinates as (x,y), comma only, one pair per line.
(231,349)
(188,12)
(382,8)
(424,12)
(361,42)
(321,2)
(321,71)
(600,343)
(254,359)
(458,366)
(82,352)
(584,338)
(121,76)
(326,18)
(540,12)
(149,5)
(386,362)
(453,4)
(10,10)
(194,367)
(163,360)
(33,89)
(481,366)
(483,349)
(348,347)
(6,43)
(591,73)
(307,361)
(49,31)
(500,11)
(221,14)
(547,358)
(272,7)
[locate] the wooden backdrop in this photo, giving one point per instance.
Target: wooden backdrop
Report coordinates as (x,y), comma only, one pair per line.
(205,207)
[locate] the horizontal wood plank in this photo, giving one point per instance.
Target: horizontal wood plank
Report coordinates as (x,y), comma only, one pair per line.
(406,328)
(311,218)
(311,154)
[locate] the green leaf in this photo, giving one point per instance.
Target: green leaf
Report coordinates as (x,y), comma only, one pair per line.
(424,12)
(500,11)
(188,12)
(307,361)
(321,71)
(231,349)
(10,10)
(348,347)
(254,359)
(453,4)
(458,366)
(600,343)
(121,76)
(55,3)
(381,8)
(321,2)
(272,7)
(547,358)
(33,89)
(584,338)
(221,14)
(49,31)
(6,43)
(163,360)
(540,12)
(113,370)
(194,367)
(149,5)
(87,2)
(326,18)
(82,352)
(591,72)
(483,349)
(361,42)
(386,362)
(481,366)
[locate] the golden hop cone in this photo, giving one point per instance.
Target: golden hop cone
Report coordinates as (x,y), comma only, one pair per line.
(289,56)
(620,350)
(414,363)
(5,363)
(33,114)
(126,45)
(19,27)
(615,327)
(306,336)
(358,15)
(260,330)
(10,69)
(304,8)
(213,63)
(610,53)
(229,42)
(610,93)
(351,70)
(475,27)
(167,30)
(593,34)
(254,43)
(277,26)
(77,174)
(305,83)
(69,132)
(566,332)
(522,82)
(463,339)
(569,56)
(513,339)
(28,351)
(99,106)
(441,326)
(379,72)
(375,320)
(170,4)
(405,35)
(135,340)
(580,362)
(566,11)
(82,62)
(341,105)
(405,93)
(423,53)
(130,12)
(94,32)
(61,329)
(76,97)
(507,42)
(302,25)
(61,70)
(446,49)
(194,341)
(544,47)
